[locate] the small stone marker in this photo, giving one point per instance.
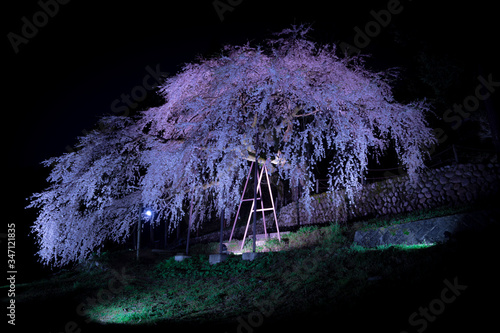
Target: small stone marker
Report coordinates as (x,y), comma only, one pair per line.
(216,258)
(250,255)
(181,257)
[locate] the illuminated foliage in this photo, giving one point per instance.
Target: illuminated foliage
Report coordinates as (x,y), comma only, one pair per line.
(298,98)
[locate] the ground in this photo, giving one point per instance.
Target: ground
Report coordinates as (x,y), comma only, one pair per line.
(317,278)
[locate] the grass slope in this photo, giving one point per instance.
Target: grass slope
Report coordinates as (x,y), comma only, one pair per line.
(315,278)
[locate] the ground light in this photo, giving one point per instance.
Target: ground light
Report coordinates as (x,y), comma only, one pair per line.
(118,315)
(194,290)
(145,307)
(406,247)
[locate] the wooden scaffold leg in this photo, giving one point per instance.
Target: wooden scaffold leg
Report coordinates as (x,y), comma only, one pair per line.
(259,197)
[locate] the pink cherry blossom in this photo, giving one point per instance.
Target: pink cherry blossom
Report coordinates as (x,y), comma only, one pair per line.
(299,98)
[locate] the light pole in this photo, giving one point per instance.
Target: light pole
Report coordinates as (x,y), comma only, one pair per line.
(221,231)
(147,214)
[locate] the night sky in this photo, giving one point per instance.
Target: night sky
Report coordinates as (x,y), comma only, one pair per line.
(88,54)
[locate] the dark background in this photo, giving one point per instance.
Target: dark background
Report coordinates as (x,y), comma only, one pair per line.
(66,77)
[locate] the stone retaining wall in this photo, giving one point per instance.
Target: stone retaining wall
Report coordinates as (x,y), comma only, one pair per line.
(451,185)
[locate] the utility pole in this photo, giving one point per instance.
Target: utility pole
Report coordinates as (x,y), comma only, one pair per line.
(149,215)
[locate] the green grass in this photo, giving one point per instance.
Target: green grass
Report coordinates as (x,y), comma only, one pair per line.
(315,266)
(191,289)
(311,268)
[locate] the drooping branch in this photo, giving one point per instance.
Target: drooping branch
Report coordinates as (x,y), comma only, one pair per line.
(307,106)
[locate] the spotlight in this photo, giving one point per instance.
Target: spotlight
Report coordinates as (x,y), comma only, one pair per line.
(147,213)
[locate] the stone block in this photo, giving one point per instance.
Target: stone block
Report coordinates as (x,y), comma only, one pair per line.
(449,174)
(181,257)
(216,258)
(432,230)
(443,180)
(250,255)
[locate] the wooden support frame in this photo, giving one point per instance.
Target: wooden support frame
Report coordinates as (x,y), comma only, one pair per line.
(259,198)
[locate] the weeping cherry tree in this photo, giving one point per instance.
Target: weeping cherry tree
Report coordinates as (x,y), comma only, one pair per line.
(289,102)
